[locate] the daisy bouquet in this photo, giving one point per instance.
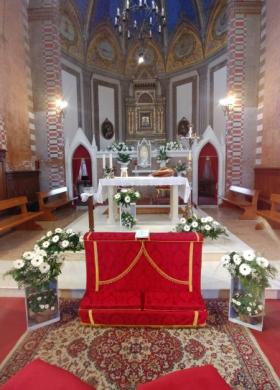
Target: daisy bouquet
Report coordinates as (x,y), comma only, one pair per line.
(253,271)
(126,196)
(36,268)
(207,226)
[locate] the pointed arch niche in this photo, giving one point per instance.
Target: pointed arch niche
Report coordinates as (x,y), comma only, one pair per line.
(204,170)
(79,148)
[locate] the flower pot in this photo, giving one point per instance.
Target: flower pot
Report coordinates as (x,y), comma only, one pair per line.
(42,306)
(131,208)
(250,320)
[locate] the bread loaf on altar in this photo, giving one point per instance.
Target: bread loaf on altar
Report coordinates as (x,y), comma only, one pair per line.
(163,172)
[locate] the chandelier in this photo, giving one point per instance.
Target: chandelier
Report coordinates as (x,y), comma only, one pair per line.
(140,19)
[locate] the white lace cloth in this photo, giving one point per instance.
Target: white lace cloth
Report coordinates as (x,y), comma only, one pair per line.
(183,185)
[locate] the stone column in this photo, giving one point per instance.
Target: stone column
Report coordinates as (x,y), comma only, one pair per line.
(88,127)
(203,101)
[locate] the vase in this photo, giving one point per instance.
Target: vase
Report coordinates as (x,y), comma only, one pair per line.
(131,208)
(42,306)
(162,164)
(250,321)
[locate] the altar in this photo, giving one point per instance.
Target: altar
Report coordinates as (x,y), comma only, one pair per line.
(179,186)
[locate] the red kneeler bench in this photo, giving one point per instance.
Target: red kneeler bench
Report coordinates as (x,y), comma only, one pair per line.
(151,282)
(196,378)
(39,375)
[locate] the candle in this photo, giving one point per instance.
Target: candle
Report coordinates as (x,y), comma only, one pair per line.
(190,132)
(118,12)
(103,162)
(162,11)
(111,161)
(190,155)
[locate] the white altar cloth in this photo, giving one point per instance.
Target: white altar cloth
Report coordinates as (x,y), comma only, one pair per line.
(179,187)
(183,185)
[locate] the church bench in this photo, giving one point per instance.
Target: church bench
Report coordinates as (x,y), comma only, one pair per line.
(150,282)
(52,200)
(24,220)
(273,214)
(243,198)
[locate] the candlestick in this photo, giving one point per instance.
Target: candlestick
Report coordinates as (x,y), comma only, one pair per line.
(111,161)
(103,161)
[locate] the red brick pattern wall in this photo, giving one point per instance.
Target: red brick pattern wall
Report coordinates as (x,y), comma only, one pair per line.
(52,78)
(268,154)
(236,81)
(3,137)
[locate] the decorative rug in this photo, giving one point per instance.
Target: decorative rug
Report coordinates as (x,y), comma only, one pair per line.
(121,358)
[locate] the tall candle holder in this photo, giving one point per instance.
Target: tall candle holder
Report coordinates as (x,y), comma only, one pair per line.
(189,140)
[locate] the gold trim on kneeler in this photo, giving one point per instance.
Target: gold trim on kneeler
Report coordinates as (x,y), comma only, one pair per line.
(90,316)
(96,264)
(195,319)
(160,271)
(191,267)
(126,271)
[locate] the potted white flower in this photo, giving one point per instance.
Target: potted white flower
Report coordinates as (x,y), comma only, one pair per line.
(37,271)
(207,226)
(126,198)
(250,274)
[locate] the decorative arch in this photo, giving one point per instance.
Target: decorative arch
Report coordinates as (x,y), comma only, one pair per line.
(185,48)
(104,50)
(207,175)
(80,139)
(71,31)
(209,137)
(216,36)
(154,61)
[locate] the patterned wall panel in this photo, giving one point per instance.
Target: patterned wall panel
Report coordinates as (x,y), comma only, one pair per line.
(236,85)
(3,137)
(261,87)
(53,90)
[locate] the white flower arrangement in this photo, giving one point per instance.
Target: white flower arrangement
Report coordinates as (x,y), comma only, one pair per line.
(123,151)
(43,264)
(206,226)
(127,220)
(252,270)
(126,196)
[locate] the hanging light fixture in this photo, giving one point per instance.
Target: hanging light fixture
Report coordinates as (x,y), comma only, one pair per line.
(140,19)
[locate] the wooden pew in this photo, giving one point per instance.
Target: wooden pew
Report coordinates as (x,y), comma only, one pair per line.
(22,221)
(273,214)
(244,198)
(52,200)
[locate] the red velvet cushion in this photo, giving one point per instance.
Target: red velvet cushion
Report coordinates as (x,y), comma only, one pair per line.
(39,375)
(112,299)
(196,378)
(172,301)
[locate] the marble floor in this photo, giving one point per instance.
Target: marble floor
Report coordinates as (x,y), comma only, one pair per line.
(215,280)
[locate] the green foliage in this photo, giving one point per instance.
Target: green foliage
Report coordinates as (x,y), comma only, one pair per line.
(252,270)
(43,264)
(127,220)
(206,226)
(126,196)
(247,304)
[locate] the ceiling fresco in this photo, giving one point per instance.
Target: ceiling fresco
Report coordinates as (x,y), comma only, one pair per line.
(196,29)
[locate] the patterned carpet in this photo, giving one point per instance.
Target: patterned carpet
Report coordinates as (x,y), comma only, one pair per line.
(120,358)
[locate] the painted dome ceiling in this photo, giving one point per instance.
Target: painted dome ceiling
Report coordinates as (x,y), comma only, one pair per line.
(195,12)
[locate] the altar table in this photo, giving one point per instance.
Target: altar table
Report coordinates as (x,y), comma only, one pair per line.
(179,187)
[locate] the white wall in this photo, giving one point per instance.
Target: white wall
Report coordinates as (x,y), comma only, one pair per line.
(69,90)
(106,104)
(219,92)
(184,102)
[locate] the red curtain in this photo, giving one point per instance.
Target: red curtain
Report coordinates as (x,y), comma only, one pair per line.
(88,164)
(79,154)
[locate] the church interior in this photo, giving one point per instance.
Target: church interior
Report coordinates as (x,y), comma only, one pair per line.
(139,194)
